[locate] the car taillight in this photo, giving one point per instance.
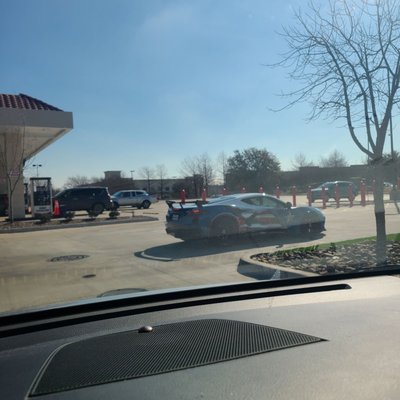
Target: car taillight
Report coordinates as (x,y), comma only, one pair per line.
(195,211)
(242,221)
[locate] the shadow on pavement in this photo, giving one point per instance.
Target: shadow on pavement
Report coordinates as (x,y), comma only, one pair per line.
(254,271)
(199,248)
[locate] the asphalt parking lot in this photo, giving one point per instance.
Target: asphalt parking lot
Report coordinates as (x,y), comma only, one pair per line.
(53,266)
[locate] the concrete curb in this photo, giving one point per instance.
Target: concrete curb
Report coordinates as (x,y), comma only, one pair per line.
(78,225)
(274,271)
(142,254)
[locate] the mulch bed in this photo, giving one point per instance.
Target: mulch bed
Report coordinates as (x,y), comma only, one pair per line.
(335,259)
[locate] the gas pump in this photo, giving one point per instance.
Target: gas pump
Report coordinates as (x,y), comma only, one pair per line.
(41,197)
(26,198)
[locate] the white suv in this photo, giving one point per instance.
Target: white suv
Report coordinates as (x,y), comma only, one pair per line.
(134,198)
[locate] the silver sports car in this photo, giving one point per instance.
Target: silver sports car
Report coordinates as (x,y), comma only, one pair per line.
(240,213)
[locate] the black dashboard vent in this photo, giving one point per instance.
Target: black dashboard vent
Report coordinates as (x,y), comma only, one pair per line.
(164,348)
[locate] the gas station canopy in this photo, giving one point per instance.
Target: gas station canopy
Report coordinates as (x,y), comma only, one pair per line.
(43,124)
(27,126)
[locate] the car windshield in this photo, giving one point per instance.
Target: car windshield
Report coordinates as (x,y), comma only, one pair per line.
(326,184)
(220,199)
(187,113)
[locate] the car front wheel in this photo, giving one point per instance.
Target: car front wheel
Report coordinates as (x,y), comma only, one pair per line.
(97,208)
(146,204)
(305,227)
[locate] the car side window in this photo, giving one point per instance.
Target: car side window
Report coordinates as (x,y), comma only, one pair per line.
(253,201)
(126,194)
(271,203)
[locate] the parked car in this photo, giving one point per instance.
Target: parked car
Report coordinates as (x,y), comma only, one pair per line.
(94,200)
(394,194)
(330,190)
(134,198)
(3,204)
(240,213)
(387,187)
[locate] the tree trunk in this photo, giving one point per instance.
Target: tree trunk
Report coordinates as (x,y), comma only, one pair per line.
(10,201)
(381,256)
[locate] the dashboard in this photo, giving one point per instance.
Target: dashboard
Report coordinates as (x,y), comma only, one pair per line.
(323,339)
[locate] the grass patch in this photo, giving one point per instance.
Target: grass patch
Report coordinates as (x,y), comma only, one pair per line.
(394,237)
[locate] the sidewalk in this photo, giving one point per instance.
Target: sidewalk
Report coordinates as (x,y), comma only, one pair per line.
(81,219)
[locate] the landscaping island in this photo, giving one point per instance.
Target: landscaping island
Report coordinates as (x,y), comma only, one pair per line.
(342,257)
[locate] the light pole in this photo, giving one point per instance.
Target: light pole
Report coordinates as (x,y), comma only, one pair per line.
(37,168)
(132,171)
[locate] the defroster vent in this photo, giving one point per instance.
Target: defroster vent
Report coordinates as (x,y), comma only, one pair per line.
(164,348)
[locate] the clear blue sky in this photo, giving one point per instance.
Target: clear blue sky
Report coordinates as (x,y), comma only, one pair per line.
(154,82)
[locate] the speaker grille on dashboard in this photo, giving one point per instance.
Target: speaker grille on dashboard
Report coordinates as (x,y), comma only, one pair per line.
(166,348)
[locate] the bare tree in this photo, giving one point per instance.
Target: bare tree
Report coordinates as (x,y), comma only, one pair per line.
(12,162)
(346,56)
(148,174)
(77,180)
(161,174)
(300,161)
(205,169)
(333,160)
(201,170)
(222,166)
(189,168)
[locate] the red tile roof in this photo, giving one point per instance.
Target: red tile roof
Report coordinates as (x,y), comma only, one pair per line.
(24,102)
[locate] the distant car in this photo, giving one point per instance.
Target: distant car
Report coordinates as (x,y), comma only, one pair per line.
(94,200)
(330,190)
(134,198)
(3,204)
(240,213)
(387,187)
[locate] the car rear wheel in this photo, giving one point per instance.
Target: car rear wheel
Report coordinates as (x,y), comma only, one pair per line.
(97,208)
(146,204)
(223,229)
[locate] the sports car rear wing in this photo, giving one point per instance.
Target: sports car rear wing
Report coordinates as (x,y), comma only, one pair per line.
(198,203)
